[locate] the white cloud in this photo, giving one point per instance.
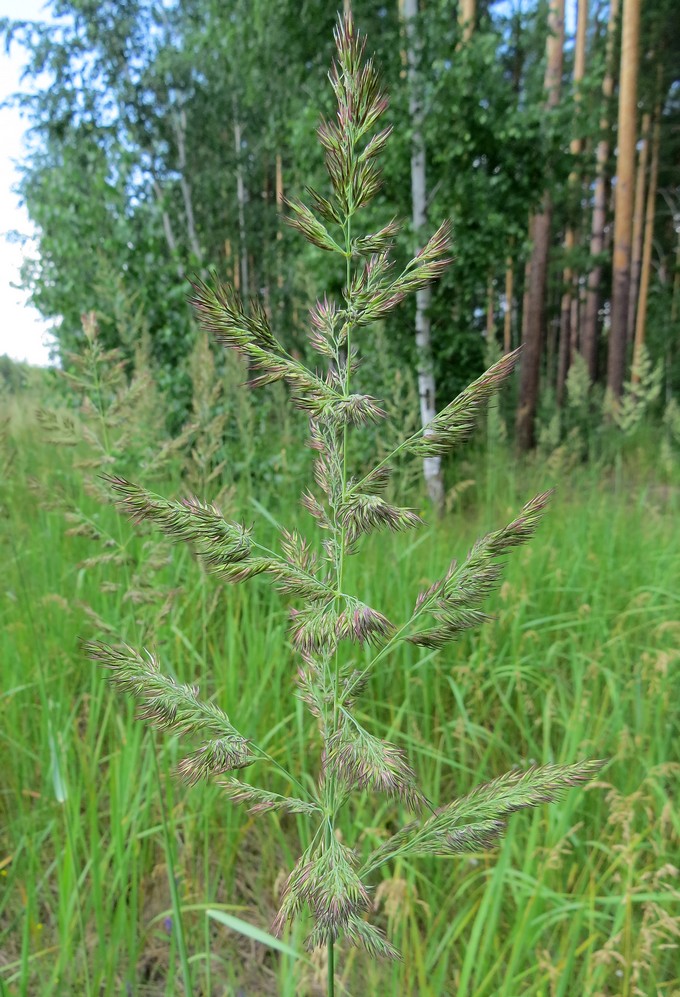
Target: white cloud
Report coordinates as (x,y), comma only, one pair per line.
(24,334)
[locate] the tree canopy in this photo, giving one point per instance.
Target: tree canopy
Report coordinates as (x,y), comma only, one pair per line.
(165,135)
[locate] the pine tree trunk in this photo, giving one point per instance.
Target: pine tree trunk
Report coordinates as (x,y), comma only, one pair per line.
(535,296)
(569,277)
(649,236)
(466,19)
(623,209)
(638,227)
(426,383)
(589,329)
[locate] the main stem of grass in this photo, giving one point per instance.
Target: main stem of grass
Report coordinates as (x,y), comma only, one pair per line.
(331,969)
(341,559)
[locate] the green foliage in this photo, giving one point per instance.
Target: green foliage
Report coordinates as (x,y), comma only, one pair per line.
(14,376)
(671,440)
(640,393)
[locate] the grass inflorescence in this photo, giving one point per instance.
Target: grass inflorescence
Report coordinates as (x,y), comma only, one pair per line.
(329,880)
(366,721)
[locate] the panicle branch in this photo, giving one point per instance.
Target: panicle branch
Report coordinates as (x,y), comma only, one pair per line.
(222,315)
(317,628)
(225,548)
(456,422)
(261,801)
(476,821)
(362,761)
(325,879)
(455,600)
(167,705)
(218,543)
(361,513)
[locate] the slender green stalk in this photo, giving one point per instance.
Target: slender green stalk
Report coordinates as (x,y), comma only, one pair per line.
(79,902)
(172,883)
(331,969)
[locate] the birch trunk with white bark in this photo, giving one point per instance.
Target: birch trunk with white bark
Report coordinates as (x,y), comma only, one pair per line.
(432,470)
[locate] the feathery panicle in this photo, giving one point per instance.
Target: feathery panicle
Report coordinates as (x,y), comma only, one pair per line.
(167,705)
(325,878)
(476,821)
(455,600)
(361,760)
(260,801)
(456,422)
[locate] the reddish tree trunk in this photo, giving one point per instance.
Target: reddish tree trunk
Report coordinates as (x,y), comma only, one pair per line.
(638,227)
(649,235)
(623,211)
(569,277)
(535,296)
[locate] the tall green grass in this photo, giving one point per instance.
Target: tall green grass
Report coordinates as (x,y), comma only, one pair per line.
(583,660)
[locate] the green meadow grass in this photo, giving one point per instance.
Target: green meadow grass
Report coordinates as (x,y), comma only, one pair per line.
(581,661)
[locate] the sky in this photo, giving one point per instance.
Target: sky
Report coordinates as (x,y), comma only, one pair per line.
(23,333)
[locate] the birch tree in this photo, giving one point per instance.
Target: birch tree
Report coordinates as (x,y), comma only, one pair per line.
(589,329)
(426,382)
